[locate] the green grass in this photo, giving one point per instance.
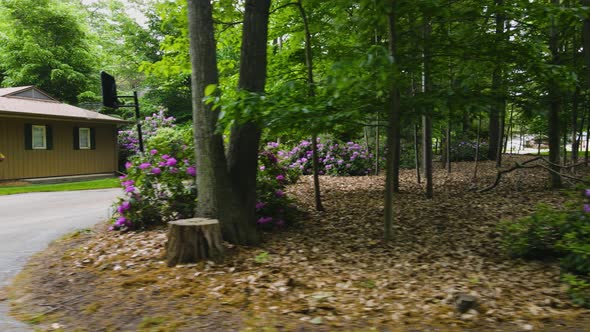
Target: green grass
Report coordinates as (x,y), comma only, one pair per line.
(83,185)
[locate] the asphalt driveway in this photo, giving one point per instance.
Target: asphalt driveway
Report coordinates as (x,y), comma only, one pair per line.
(29,222)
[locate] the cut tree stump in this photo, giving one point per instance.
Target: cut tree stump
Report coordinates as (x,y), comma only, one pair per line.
(193,240)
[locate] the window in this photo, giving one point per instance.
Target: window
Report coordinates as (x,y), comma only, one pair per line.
(39,137)
(84,138)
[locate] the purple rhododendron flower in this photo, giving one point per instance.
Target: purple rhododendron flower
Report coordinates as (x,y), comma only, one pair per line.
(123,207)
(192,171)
(587,192)
(262,168)
(279,193)
(153,151)
(260,205)
(144,165)
(121,222)
(280,177)
(129,189)
(128,183)
(128,165)
(586,208)
(264,220)
(156,171)
(171,162)
(165,157)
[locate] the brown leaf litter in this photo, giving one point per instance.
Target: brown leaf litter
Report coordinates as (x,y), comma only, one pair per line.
(329,272)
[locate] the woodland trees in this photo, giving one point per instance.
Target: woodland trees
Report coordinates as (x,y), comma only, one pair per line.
(350,69)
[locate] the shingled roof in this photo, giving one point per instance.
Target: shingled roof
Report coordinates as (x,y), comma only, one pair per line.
(28,101)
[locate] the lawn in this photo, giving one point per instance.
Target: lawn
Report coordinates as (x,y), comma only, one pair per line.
(83,185)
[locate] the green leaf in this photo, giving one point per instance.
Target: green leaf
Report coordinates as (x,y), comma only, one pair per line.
(210,89)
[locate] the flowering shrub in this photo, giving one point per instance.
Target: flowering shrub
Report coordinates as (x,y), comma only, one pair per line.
(335,158)
(556,233)
(160,185)
(465,150)
(150,126)
(273,207)
(158,188)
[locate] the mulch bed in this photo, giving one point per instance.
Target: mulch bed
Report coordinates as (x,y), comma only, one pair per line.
(329,272)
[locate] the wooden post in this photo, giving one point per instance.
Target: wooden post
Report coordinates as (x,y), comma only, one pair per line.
(193,240)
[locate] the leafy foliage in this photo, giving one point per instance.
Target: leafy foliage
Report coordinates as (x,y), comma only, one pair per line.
(562,234)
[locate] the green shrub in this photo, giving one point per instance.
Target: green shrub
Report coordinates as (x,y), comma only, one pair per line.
(563,234)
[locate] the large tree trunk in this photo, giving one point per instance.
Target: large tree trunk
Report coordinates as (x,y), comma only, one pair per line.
(212,177)
(245,137)
(311,94)
(393,130)
(554,108)
(497,88)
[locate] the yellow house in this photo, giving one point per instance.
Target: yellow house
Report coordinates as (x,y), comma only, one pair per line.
(42,137)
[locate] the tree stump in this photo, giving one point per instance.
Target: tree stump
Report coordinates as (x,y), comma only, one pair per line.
(193,240)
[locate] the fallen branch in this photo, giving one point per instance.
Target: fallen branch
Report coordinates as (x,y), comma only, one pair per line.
(518,165)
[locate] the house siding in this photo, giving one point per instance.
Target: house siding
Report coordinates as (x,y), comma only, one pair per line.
(63,159)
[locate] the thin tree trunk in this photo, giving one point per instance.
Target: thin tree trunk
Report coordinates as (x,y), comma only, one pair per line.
(417,154)
(377,141)
(245,137)
(501,133)
(586,155)
(426,118)
(539,144)
(554,107)
(477,149)
(393,130)
(564,147)
(448,166)
(497,88)
(575,104)
(311,94)
(511,131)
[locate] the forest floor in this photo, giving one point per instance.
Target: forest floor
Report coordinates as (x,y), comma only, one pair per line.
(330,271)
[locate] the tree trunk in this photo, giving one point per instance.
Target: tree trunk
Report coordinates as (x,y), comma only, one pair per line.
(586,155)
(575,104)
(377,134)
(501,133)
(311,94)
(393,130)
(245,137)
(497,88)
(448,146)
(564,147)
(554,108)
(193,240)
(426,118)
(212,177)
(477,149)
(417,154)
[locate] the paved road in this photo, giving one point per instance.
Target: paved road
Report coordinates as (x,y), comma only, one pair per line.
(29,222)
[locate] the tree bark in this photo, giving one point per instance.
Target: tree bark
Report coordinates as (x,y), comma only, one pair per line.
(426,118)
(477,149)
(212,177)
(554,107)
(311,94)
(393,130)
(193,240)
(377,136)
(245,137)
(417,154)
(497,88)
(448,146)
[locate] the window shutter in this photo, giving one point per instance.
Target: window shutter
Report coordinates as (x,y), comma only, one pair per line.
(28,136)
(92,139)
(76,138)
(49,137)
